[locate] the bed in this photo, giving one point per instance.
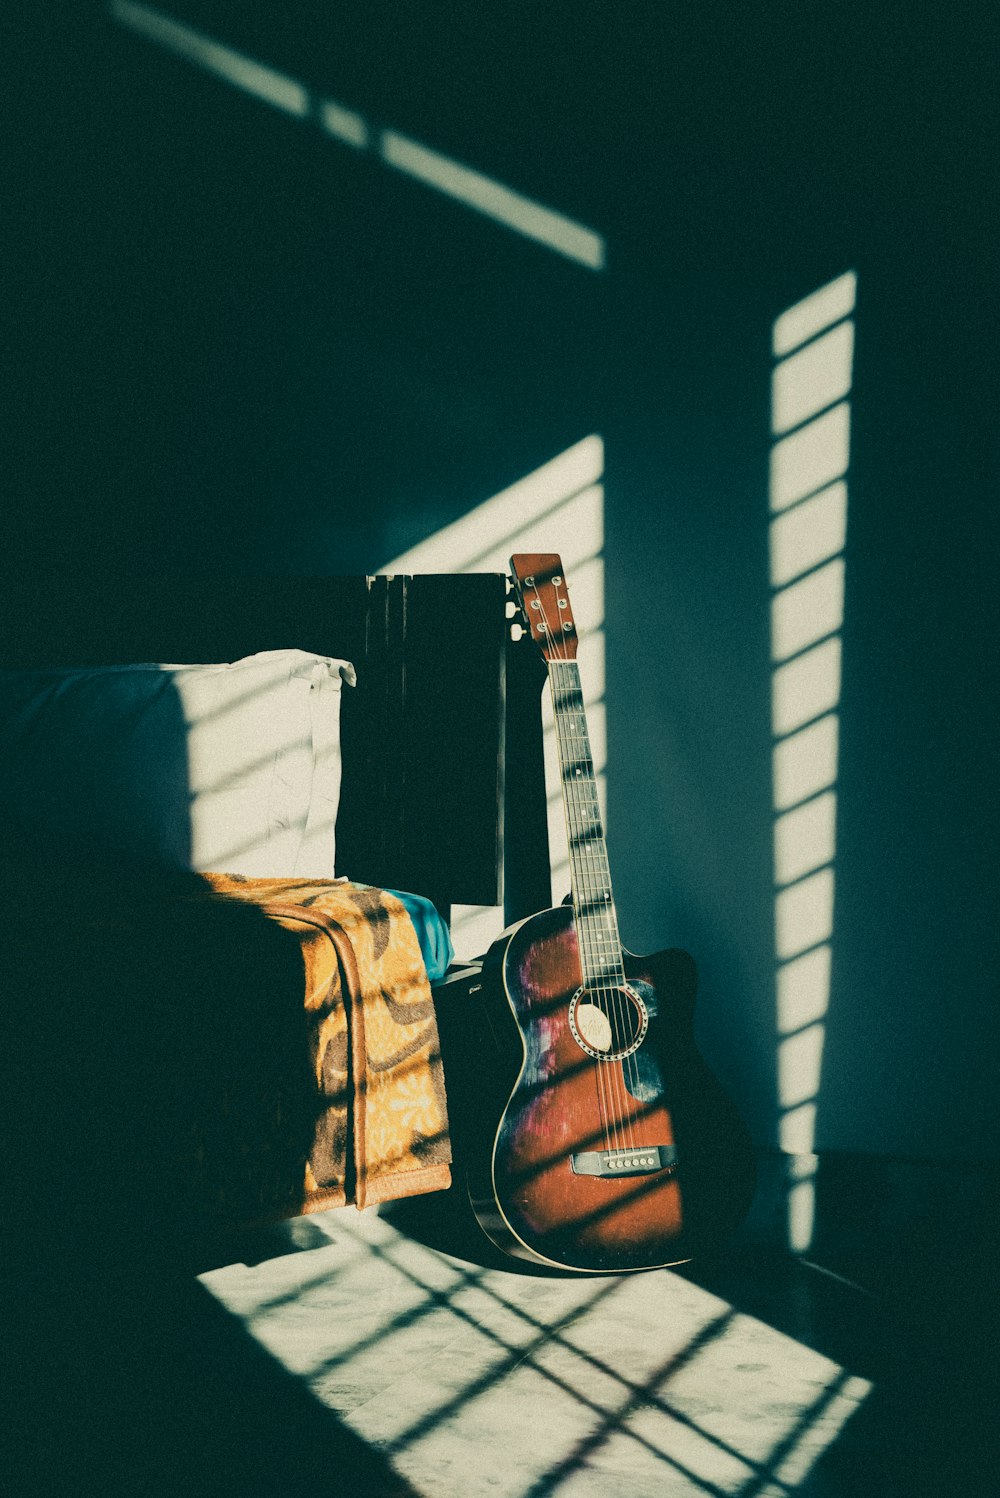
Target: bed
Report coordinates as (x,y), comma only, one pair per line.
(212,1023)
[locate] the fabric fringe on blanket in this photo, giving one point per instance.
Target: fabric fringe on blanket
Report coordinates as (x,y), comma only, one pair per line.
(381,1128)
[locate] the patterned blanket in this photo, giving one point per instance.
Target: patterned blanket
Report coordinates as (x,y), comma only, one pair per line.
(381,1129)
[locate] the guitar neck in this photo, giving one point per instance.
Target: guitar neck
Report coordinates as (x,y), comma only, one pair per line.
(593,901)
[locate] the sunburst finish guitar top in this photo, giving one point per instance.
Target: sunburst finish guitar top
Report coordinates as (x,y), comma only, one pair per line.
(618,1149)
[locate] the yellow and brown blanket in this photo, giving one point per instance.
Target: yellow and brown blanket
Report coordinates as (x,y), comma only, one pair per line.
(381,1121)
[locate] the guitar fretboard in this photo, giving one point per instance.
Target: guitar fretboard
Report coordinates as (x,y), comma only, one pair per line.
(593,902)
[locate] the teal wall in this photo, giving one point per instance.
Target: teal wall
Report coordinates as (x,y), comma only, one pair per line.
(242,344)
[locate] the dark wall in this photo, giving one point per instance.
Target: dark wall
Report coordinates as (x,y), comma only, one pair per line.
(239,341)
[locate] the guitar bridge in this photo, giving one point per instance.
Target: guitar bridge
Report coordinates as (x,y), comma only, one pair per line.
(640,1161)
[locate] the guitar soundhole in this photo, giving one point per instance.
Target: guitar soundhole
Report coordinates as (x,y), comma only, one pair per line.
(608,1023)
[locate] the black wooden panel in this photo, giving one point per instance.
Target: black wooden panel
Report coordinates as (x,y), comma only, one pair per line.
(452,731)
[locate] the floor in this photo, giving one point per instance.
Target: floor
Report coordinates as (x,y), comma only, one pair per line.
(346,1353)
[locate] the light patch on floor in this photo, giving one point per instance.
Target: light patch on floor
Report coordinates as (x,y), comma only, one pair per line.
(470,1380)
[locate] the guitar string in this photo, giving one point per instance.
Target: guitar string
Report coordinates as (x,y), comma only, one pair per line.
(603,949)
(599,943)
(552,638)
(599,922)
(586,891)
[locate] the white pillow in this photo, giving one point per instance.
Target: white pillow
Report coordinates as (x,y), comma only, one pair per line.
(234,768)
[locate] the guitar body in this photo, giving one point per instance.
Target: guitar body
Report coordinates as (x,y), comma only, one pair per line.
(617,1149)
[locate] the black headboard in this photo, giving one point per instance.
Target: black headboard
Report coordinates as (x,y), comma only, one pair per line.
(422,733)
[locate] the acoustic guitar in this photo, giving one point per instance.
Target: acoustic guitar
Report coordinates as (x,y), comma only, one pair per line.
(617,1149)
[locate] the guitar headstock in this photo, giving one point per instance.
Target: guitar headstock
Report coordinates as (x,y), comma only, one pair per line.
(540,584)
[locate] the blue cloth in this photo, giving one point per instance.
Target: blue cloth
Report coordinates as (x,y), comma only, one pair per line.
(432,933)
